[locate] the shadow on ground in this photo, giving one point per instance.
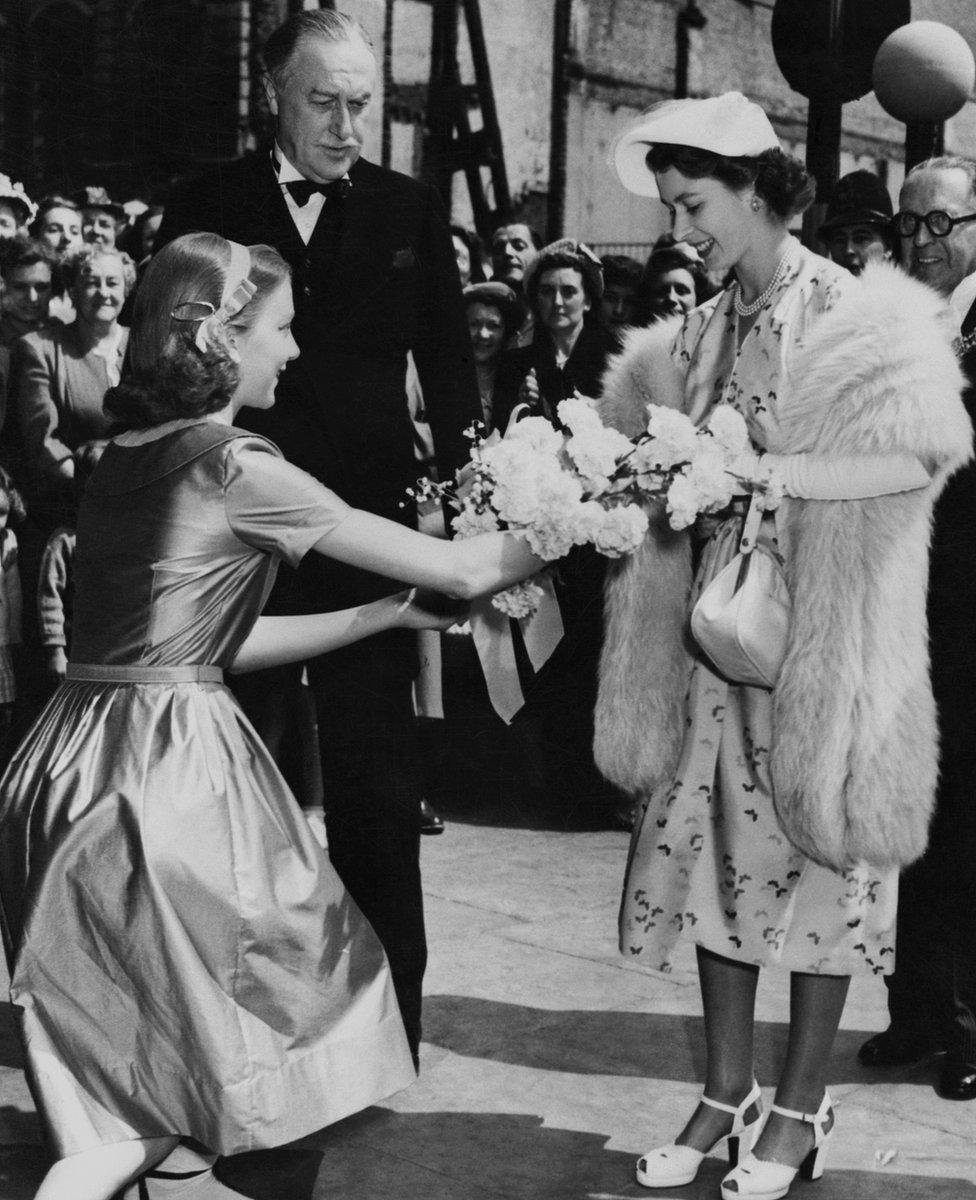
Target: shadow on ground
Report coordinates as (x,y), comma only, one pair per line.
(476,1156)
(643,1045)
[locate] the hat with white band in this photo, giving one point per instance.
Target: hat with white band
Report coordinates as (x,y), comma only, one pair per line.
(729,125)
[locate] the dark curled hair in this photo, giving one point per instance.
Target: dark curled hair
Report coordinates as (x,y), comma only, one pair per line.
(22,251)
(166,376)
(15,502)
(783,182)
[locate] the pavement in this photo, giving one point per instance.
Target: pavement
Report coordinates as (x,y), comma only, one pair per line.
(550,1063)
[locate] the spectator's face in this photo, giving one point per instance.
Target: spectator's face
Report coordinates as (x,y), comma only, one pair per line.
(99,228)
(265,349)
(100,291)
(150,227)
(61,230)
(487,330)
(511,252)
(27,292)
(941,262)
(617,305)
(462,256)
(672,293)
(320,103)
(854,246)
(9,225)
(561,299)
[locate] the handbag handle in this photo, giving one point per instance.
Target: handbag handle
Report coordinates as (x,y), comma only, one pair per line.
(750,535)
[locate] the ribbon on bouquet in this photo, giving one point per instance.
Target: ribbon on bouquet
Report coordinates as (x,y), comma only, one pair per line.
(492,636)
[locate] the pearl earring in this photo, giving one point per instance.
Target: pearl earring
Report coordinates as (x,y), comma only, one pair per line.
(755,204)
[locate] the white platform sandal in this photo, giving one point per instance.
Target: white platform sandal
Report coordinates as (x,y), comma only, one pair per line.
(674,1165)
(756,1179)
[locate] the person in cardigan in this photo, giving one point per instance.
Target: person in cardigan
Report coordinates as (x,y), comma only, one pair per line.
(375,278)
(775,819)
(932,994)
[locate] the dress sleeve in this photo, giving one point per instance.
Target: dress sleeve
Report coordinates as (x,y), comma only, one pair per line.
(272,505)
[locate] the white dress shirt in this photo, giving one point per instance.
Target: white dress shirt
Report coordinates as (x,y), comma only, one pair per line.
(306,215)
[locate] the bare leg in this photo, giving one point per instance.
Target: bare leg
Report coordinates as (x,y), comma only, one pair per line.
(98,1174)
(728,992)
(816,1004)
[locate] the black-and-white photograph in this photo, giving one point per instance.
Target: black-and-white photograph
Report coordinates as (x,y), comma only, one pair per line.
(487,599)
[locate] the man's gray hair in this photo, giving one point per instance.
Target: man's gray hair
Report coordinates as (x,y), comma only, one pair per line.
(948,162)
(315,23)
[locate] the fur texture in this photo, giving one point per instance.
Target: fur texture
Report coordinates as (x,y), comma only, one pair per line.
(854,757)
(646,657)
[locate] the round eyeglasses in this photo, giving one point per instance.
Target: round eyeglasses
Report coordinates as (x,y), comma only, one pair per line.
(937,222)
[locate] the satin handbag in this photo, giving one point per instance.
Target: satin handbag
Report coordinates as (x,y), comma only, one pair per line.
(742,618)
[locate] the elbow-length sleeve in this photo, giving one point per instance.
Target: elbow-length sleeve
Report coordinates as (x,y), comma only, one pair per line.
(274,506)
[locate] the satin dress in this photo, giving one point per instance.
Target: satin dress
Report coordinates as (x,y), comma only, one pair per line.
(183,958)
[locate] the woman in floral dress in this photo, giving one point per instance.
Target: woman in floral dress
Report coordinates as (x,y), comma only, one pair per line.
(739,848)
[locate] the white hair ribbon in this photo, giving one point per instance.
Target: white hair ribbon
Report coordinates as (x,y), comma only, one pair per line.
(238,291)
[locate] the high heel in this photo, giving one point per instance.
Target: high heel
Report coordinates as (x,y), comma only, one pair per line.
(756,1179)
(674,1165)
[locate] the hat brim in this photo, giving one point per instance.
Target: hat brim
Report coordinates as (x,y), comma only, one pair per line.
(863,217)
(630,162)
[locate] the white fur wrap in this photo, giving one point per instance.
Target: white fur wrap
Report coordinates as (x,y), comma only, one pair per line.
(854,756)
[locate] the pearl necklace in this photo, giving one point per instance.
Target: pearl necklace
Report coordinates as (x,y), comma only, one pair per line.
(750,310)
(962,345)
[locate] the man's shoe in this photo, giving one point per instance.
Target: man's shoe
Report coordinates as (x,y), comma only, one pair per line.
(430,822)
(958,1080)
(895,1049)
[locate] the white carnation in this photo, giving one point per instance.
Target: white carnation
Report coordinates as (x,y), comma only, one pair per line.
(578,414)
(710,479)
(595,452)
(535,495)
(520,600)
(674,438)
(621,531)
(470,522)
(537,432)
(727,426)
(683,501)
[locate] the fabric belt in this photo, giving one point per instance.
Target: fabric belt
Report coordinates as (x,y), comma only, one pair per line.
(105,673)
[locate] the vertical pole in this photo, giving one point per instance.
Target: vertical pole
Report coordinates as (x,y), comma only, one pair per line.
(559,120)
(923,139)
(823,132)
(489,117)
(386,144)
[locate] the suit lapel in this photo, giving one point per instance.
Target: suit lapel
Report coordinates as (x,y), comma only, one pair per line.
(272,220)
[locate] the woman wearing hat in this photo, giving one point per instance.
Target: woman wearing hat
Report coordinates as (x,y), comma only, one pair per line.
(16,208)
(776,818)
(570,345)
(857,228)
(101,217)
(493,314)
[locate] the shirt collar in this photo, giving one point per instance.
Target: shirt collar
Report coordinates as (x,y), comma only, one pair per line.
(963,298)
(285,171)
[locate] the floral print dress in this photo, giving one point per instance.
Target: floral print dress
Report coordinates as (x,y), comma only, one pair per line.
(709,860)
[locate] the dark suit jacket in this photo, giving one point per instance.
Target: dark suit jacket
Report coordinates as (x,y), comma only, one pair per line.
(386,282)
(582,371)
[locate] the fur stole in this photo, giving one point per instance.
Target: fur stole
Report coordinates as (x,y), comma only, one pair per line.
(639,720)
(855,749)
(854,756)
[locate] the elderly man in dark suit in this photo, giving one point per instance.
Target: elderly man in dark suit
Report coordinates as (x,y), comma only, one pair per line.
(932,994)
(374,278)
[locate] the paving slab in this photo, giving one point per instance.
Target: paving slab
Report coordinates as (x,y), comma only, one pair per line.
(550,1062)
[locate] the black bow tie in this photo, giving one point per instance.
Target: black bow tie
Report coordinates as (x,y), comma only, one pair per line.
(301,190)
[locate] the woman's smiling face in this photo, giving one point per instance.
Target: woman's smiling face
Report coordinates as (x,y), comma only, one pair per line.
(711,216)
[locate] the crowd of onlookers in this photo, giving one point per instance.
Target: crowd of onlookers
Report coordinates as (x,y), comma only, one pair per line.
(543,320)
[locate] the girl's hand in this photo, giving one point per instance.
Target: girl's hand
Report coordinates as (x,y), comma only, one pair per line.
(57,662)
(421,608)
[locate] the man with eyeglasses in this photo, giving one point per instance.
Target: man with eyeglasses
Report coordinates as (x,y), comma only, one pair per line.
(932,995)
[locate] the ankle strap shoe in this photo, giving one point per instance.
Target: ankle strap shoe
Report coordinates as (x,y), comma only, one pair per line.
(674,1165)
(756,1179)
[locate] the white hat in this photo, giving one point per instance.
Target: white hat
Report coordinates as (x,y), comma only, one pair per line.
(729,125)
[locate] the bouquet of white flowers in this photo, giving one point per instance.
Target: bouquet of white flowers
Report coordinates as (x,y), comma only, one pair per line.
(588,484)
